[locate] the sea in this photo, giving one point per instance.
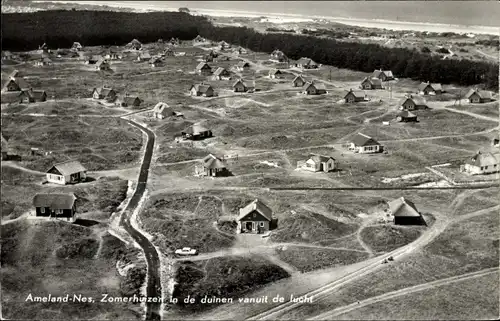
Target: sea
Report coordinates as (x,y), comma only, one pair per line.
(436,16)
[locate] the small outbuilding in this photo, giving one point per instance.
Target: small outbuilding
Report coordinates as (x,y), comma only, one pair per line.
(298,81)
(32,96)
(314,88)
(221,74)
(212,166)
(196,132)
(203,69)
(106,93)
(242,66)
(406,116)
(405,212)
(275,73)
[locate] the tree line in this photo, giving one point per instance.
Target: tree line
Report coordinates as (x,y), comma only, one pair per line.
(60,28)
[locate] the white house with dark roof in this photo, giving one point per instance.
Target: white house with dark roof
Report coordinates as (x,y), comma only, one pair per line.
(318,163)
(482,163)
(77,46)
(68,172)
(255,218)
(364,144)
(55,206)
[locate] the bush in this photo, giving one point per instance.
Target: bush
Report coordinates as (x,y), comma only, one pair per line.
(133,282)
(426,50)
(84,248)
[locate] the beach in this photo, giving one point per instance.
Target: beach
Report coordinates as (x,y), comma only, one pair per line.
(281,18)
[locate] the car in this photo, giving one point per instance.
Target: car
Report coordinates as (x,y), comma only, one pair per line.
(186,251)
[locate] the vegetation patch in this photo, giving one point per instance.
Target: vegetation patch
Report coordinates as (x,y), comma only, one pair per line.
(225,277)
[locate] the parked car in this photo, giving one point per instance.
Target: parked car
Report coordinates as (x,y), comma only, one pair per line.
(186,251)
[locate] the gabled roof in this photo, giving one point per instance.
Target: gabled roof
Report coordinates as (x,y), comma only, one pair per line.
(317,85)
(484,159)
(320,158)
(219,71)
(69,167)
(35,94)
(212,162)
(104,91)
(155,60)
(356,93)
(201,88)
(434,87)
(195,129)
(258,206)
(373,81)
(54,201)
(403,207)
(130,99)
(299,77)
(201,65)
(101,62)
(21,83)
(161,107)
(275,71)
(305,61)
(242,63)
(135,42)
(77,45)
(377,73)
(482,94)
(363,140)
(417,100)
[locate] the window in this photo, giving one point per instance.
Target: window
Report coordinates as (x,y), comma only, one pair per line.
(42,210)
(485,167)
(482,167)
(261,224)
(59,211)
(254,215)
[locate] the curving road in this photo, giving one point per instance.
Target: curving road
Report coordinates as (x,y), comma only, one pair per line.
(153,289)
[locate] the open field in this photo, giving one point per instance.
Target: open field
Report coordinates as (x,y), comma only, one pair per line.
(486,109)
(464,247)
(66,107)
(95,200)
(308,259)
(383,238)
(98,143)
(47,257)
(229,277)
(175,223)
(465,300)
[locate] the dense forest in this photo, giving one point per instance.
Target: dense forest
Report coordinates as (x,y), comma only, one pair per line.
(59,29)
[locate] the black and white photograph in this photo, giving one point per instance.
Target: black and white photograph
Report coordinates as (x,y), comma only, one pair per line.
(250,160)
